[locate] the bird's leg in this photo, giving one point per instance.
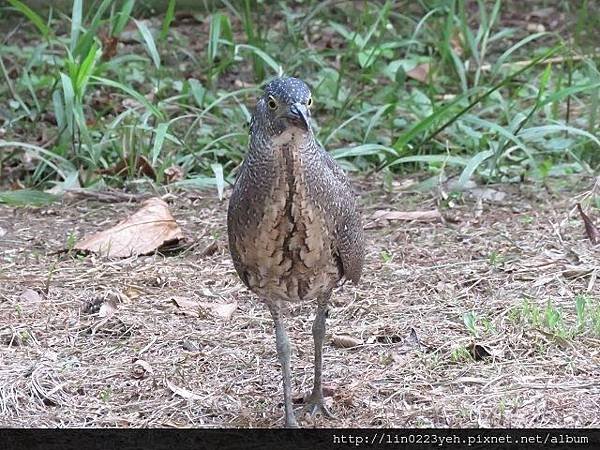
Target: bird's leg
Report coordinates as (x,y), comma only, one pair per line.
(315,402)
(283,353)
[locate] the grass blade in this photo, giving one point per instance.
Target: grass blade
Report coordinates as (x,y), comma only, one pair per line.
(472,165)
(132,92)
(149,41)
(169,16)
(27,197)
(76,23)
(197,91)
(85,70)
(262,55)
(159,139)
(122,18)
(361,150)
(217,169)
(32,16)
(69,97)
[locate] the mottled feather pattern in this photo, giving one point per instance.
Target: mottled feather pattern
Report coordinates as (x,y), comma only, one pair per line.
(293,223)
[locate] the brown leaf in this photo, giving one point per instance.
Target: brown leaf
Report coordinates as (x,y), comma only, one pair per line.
(142,233)
(380,217)
(590,229)
(29,295)
(109,47)
(345,341)
(419,73)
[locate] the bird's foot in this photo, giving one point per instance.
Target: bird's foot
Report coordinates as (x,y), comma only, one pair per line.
(290,422)
(316,404)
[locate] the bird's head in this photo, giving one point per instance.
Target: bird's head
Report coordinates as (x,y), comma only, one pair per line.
(285,103)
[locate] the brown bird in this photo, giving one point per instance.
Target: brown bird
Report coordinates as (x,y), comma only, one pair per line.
(294,227)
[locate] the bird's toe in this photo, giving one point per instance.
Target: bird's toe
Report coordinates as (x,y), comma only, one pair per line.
(316,405)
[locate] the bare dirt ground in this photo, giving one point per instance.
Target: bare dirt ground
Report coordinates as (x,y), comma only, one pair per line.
(514,267)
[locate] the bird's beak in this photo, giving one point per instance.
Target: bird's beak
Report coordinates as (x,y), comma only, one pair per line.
(298,112)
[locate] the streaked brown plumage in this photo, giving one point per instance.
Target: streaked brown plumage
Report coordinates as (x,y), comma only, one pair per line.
(293,223)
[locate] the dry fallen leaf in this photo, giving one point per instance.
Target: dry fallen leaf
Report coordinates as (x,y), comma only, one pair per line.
(182,392)
(222,310)
(380,217)
(419,73)
(142,233)
(196,309)
(345,341)
(30,295)
(590,229)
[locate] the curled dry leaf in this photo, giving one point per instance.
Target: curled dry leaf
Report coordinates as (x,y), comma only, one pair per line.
(141,368)
(29,295)
(182,392)
(590,229)
(345,341)
(142,233)
(480,352)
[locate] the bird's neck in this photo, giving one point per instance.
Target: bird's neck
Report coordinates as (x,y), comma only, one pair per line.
(294,137)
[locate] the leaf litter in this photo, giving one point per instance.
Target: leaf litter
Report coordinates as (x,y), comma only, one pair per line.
(222,370)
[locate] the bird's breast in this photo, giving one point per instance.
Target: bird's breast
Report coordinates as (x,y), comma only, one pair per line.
(289,255)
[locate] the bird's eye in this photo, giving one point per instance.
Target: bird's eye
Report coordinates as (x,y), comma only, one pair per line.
(309,102)
(272,103)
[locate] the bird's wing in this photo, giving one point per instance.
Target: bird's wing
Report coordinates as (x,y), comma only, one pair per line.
(349,229)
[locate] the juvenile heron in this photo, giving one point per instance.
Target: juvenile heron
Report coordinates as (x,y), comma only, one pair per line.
(293,223)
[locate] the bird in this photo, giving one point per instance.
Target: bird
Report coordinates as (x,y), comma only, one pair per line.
(293,222)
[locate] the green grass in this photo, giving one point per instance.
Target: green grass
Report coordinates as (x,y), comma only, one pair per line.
(498,103)
(565,323)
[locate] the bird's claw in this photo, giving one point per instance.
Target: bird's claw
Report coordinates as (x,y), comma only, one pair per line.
(316,404)
(291,423)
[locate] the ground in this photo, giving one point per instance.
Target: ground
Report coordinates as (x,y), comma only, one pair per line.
(466,321)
